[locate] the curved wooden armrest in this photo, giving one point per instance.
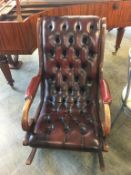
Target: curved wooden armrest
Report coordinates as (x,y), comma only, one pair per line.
(107,122)
(106,99)
(25,115)
(30,94)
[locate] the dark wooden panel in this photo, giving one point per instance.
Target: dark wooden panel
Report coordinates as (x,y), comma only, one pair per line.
(125,16)
(20,37)
(17,38)
(112,10)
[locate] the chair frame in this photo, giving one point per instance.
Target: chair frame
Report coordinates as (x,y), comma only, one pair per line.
(124,107)
(28,124)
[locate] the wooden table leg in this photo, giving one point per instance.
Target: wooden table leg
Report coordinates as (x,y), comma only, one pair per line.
(5,69)
(13,61)
(120,33)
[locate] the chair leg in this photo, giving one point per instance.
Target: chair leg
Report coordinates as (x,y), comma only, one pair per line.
(31,156)
(26,139)
(5,69)
(13,61)
(117,116)
(101,161)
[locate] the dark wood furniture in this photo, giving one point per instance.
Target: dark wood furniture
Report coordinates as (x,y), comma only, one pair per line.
(5,69)
(71,51)
(19,21)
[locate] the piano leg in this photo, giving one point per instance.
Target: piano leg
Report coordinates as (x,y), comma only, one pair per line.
(120,33)
(6,70)
(13,61)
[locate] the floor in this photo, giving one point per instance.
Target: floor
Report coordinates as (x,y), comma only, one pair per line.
(51,162)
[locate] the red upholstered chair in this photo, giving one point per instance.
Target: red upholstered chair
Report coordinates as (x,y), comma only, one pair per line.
(71,51)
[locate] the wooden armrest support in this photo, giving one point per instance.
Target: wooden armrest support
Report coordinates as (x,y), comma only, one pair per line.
(30,94)
(107,122)
(106,99)
(25,116)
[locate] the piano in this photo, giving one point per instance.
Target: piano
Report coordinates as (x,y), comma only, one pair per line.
(18,21)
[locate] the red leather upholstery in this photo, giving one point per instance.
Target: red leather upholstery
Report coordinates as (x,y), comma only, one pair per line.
(105,93)
(69,116)
(33,86)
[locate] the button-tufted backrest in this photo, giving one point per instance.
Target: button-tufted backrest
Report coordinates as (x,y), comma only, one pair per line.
(70,56)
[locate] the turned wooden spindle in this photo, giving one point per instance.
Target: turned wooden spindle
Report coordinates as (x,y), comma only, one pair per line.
(18,11)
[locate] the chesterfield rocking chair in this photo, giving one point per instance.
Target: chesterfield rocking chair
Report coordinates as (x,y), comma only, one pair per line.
(74,112)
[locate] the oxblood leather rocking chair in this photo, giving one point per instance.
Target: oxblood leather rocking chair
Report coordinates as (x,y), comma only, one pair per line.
(68,117)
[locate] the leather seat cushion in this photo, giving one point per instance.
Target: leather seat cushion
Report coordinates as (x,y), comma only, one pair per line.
(78,131)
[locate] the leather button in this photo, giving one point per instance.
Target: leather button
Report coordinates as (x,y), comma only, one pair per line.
(64,26)
(64,53)
(51,26)
(83,128)
(76,78)
(64,78)
(77,53)
(71,39)
(78,27)
(57,39)
(84,65)
(52,52)
(70,65)
(58,65)
(86,40)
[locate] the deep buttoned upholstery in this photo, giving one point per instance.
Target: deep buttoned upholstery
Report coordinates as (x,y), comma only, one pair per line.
(68,117)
